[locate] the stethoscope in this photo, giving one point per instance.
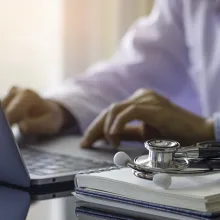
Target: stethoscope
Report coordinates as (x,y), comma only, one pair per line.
(166,158)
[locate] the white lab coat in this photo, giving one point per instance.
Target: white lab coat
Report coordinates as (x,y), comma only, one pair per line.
(175,51)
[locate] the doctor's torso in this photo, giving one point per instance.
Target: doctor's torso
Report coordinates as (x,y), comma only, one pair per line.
(201,20)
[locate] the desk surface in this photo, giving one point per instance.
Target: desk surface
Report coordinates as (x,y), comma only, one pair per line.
(16,205)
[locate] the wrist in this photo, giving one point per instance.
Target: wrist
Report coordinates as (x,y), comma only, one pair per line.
(216,124)
(68,119)
(63,115)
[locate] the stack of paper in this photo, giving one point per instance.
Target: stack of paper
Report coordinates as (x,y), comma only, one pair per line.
(192,196)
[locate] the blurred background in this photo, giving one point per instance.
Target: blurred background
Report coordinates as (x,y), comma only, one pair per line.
(44,41)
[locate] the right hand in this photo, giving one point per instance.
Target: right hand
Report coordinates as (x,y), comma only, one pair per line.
(33,114)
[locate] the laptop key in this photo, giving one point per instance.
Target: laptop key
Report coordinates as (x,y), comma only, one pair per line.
(48,171)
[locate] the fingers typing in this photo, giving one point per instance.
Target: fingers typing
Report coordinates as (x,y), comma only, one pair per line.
(95,131)
(9,97)
(45,124)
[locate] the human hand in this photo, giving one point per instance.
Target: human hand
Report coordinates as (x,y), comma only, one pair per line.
(33,114)
(159,118)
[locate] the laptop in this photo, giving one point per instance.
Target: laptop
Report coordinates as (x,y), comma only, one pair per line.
(43,174)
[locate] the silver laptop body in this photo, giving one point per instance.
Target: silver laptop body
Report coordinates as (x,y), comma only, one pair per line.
(37,170)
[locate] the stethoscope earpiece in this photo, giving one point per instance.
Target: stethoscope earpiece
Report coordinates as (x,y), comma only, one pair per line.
(163,180)
(121,159)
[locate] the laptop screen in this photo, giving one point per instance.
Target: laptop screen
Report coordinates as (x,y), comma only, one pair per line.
(12,169)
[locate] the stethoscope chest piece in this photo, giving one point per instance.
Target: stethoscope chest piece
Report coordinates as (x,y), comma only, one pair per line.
(161,157)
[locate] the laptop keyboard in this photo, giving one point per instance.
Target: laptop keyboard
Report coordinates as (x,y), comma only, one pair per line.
(44,163)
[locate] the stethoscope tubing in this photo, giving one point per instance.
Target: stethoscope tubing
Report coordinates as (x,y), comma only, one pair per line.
(190,170)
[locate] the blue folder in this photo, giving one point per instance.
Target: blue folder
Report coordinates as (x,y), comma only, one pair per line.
(84,211)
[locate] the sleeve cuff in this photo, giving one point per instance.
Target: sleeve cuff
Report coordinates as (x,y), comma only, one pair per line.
(216,120)
(73,99)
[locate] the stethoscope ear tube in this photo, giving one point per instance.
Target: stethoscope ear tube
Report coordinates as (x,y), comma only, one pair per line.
(208,149)
(212,152)
(207,144)
(212,164)
(202,150)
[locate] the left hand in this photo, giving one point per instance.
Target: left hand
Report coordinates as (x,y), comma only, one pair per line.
(160,119)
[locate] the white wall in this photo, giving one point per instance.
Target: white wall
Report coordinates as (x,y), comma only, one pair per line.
(90,32)
(93,29)
(31,55)
(43,40)
(31,41)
